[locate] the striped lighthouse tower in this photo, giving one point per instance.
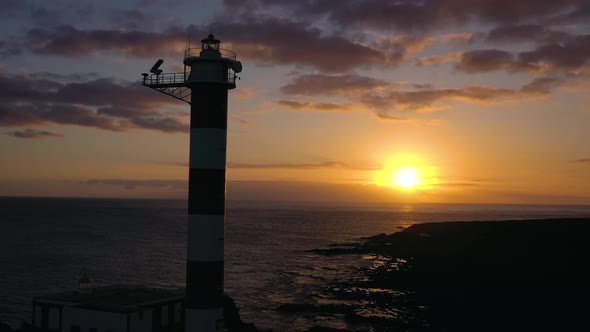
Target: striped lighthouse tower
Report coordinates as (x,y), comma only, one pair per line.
(212,74)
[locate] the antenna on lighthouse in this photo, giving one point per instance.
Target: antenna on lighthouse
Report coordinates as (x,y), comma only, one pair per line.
(156,67)
(212,73)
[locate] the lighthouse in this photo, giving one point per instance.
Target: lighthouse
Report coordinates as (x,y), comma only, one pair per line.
(211,73)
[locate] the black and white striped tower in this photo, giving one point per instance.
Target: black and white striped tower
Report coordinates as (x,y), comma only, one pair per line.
(212,74)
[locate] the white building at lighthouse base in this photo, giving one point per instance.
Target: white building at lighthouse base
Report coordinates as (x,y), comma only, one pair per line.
(111,309)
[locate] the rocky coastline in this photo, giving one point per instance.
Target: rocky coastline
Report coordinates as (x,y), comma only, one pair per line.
(515,275)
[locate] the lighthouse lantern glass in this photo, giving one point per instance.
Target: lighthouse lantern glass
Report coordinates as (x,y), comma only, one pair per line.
(209,44)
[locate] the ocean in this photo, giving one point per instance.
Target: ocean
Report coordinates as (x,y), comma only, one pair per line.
(46,244)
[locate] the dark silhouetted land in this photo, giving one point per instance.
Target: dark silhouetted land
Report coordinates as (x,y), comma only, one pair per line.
(519,275)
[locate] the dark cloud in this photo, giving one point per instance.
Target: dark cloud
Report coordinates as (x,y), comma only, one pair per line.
(543,85)
(526,32)
(265,40)
(260,31)
(580,13)
(11,7)
(385,98)
(48,13)
(23,9)
(411,15)
(583,161)
(566,55)
(527,20)
(569,54)
(490,60)
(272,41)
(78,115)
(133,19)
(41,113)
(70,41)
(318,84)
(9,48)
(102,103)
(64,78)
(435,99)
(162,3)
(32,133)
(44,15)
(280,41)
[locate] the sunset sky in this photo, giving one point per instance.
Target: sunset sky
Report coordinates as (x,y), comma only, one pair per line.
(468,101)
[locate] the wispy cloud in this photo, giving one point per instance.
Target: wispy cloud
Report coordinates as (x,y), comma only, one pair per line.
(386,98)
(461,38)
(321,107)
(543,85)
(132,184)
(32,133)
(438,59)
(325,164)
(320,84)
(388,117)
(430,99)
(63,78)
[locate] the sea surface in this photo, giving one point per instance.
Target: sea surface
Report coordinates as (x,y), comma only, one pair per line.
(46,244)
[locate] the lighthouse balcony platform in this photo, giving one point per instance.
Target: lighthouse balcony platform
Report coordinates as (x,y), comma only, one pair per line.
(178,85)
(165,80)
(177,80)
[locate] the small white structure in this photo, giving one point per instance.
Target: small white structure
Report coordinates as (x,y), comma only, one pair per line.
(86,284)
(111,309)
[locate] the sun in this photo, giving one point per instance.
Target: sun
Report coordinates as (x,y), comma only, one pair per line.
(402,177)
(406,178)
(407,173)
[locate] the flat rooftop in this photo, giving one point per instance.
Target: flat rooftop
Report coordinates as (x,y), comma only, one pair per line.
(116,298)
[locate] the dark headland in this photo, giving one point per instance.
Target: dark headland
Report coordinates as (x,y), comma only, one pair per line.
(517,275)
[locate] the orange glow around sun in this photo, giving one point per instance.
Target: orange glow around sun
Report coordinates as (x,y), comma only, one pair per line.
(406,174)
